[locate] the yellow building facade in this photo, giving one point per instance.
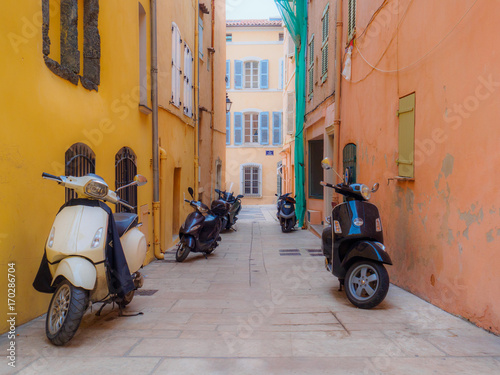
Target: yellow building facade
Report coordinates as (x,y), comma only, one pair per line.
(83,103)
(254,128)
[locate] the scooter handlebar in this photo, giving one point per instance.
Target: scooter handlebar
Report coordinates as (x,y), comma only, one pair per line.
(326,184)
(51,177)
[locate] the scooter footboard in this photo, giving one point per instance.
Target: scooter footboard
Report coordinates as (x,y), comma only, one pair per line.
(78,271)
(368,250)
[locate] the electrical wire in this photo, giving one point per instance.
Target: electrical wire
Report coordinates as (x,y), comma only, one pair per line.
(374,67)
(388,46)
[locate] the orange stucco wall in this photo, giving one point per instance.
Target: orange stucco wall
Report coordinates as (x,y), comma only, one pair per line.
(442,229)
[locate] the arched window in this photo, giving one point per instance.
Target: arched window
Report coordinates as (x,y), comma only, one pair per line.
(125,171)
(350,161)
(79,160)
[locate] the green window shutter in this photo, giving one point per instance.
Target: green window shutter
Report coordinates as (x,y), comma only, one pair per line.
(406,116)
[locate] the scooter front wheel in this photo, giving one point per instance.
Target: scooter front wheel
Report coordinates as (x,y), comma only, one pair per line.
(366,284)
(182,252)
(66,311)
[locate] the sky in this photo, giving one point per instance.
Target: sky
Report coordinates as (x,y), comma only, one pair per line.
(251,9)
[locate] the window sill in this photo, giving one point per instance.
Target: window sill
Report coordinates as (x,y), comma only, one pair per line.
(400,178)
(145,109)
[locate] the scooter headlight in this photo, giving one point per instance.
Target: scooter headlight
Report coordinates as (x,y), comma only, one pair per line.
(96,189)
(52,234)
(366,192)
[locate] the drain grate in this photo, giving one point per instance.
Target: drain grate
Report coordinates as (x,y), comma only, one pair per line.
(315,252)
(290,252)
(145,292)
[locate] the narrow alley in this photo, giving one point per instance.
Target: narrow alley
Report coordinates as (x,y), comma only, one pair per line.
(262,303)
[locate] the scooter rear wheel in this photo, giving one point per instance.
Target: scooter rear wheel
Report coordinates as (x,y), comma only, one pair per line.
(366,284)
(65,313)
(182,252)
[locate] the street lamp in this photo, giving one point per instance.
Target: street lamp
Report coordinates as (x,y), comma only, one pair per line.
(228,104)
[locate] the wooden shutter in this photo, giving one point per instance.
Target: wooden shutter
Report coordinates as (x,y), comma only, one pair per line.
(282,72)
(406,116)
(238,128)
(277,128)
(228,128)
(264,128)
(228,74)
(264,74)
(238,74)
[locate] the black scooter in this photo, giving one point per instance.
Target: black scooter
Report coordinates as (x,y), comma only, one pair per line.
(234,207)
(200,232)
(353,244)
(286,212)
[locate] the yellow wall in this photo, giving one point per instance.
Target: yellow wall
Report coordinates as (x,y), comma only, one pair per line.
(42,115)
(263,43)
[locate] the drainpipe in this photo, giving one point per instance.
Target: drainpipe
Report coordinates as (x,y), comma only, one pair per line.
(196,109)
(154,99)
(338,80)
(163,191)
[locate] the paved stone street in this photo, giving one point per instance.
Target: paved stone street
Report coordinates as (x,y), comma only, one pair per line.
(262,303)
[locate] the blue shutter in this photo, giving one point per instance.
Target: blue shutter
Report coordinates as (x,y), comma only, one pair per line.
(277,128)
(282,72)
(238,74)
(238,128)
(228,74)
(264,74)
(264,128)
(228,128)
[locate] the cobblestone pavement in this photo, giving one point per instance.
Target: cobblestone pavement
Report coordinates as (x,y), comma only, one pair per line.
(262,303)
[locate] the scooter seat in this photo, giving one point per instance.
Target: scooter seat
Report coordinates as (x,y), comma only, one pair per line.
(124,221)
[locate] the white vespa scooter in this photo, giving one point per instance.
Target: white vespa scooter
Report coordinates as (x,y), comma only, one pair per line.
(91,255)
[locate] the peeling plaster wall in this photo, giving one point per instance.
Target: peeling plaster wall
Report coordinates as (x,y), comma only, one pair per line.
(442,229)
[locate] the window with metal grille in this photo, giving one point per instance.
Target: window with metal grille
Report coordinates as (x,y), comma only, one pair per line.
(251,74)
(229,37)
(251,180)
(325,22)
(311,67)
(125,171)
(315,169)
(79,161)
(351,25)
(350,162)
(281,37)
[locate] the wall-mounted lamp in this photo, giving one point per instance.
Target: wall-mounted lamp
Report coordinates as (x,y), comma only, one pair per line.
(228,104)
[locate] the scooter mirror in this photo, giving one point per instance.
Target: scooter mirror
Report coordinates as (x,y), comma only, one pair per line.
(276,194)
(140,180)
(240,196)
(375,187)
(191,192)
(326,163)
